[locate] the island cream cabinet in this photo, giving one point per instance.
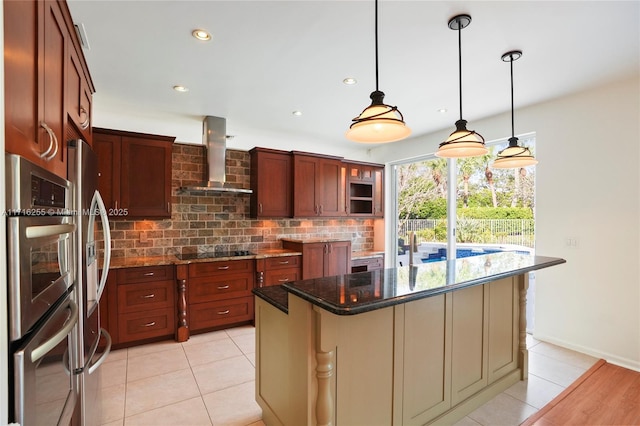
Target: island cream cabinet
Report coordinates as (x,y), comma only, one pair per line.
(431,360)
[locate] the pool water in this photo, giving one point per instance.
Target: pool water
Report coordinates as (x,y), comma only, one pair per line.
(461,252)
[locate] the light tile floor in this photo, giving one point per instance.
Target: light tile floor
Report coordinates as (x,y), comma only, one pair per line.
(209,380)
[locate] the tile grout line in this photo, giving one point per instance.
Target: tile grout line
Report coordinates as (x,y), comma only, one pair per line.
(197,384)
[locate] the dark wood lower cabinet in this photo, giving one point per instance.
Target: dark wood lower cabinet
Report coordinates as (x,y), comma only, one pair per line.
(278,270)
(214,295)
(140,305)
(322,259)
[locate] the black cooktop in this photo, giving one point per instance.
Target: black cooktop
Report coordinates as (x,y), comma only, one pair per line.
(211,255)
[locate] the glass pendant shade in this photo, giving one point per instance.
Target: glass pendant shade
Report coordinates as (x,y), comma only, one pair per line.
(378,123)
(462,143)
(514,156)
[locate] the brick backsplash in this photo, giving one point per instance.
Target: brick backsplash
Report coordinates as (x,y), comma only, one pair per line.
(206,222)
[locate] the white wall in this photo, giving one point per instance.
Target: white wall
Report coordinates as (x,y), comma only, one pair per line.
(588,189)
(188,129)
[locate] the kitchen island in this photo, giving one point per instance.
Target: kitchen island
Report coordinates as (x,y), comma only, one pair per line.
(411,345)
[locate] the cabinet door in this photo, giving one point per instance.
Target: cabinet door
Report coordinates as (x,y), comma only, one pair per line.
(306,172)
(378,192)
(52,81)
(21,20)
(35,51)
(145,182)
(360,173)
(469,342)
(107,148)
(338,258)
(271,183)
(331,188)
(78,96)
(426,362)
(313,259)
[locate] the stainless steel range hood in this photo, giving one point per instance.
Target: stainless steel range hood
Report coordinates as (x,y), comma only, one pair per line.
(214,137)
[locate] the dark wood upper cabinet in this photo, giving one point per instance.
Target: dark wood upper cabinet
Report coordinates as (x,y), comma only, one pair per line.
(41,50)
(79,98)
(365,186)
(134,173)
(302,184)
(271,182)
(35,53)
(318,186)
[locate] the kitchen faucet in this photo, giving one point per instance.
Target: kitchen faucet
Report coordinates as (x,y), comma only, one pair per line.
(413,246)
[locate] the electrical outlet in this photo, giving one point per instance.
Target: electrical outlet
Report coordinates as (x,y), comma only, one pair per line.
(571,242)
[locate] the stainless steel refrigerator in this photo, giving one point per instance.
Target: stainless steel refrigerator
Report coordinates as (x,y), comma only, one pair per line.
(91,343)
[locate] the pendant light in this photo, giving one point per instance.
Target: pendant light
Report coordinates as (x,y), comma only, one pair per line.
(462,142)
(378,122)
(514,156)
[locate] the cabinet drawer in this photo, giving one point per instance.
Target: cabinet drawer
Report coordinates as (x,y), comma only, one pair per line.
(146,324)
(145,274)
(281,276)
(144,297)
(225,286)
(223,312)
(282,262)
(215,268)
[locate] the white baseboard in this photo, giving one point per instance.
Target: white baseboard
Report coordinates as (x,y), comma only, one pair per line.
(610,358)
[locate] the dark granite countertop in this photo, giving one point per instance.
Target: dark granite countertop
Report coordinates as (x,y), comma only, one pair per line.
(277,295)
(361,292)
(170,259)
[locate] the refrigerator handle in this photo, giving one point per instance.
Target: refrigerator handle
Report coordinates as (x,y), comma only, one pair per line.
(107,244)
(104,355)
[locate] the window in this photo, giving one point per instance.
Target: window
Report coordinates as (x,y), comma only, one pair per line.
(494,208)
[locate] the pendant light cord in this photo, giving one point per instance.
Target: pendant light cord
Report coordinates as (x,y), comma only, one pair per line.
(512,126)
(460,62)
(376,38)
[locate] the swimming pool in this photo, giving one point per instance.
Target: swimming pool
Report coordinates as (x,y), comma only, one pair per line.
(461,252)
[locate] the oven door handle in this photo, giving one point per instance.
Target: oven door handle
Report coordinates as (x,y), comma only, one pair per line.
(106,261)
(51,343)
(106,352)
(49,230)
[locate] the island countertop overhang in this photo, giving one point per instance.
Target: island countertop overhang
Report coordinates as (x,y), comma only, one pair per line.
(361,292)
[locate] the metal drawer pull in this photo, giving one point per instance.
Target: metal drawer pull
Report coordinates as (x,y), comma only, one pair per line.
(148,296)
(284,262)
(283,280)
(83,114)
(224,312)
(223,267)
(223,287)
(149,274)
(149,324)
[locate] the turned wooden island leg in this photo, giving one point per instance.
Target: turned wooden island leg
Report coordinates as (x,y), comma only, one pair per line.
(324,403)
(182,332)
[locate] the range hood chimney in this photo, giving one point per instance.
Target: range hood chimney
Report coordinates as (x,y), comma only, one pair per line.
(214,137)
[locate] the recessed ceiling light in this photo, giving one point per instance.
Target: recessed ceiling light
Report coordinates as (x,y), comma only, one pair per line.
(442,110)
(180,89)
(201,35)
(297,113)
(349,81)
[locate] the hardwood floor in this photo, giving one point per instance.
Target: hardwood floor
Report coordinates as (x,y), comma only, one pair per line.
(604,395)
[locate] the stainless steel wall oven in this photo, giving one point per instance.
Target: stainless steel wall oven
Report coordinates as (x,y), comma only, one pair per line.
(41,274)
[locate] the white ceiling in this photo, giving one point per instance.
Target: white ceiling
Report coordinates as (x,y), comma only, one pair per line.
(269,58)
